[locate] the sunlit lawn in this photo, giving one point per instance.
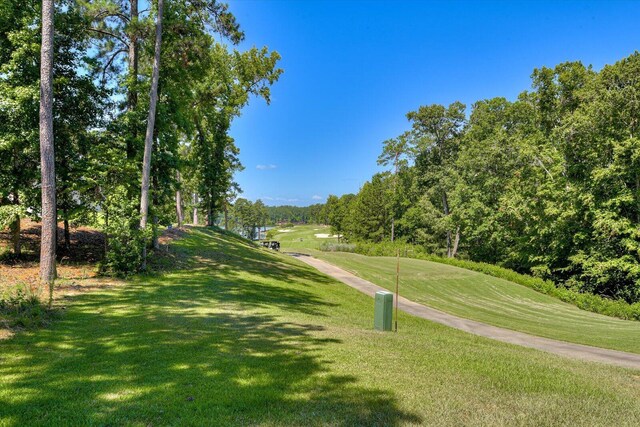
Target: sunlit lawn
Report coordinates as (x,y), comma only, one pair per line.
(480,297)
(231,335)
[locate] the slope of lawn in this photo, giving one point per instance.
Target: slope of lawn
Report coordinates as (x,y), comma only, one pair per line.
(232,335)
(484,298)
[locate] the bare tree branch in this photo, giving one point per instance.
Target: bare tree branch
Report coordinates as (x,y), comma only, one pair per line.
(107,13)
(108,33)
(106,67)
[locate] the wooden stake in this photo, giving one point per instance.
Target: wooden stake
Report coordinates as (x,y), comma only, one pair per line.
(397,284)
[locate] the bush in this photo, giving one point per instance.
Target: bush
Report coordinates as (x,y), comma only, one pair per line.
(582,300)
(125,240)
(124,254)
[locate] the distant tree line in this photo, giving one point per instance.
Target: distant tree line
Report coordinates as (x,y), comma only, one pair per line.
(548,184)
(296,214)
(141,109)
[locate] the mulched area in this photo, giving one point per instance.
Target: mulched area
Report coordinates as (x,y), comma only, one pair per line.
(78,262)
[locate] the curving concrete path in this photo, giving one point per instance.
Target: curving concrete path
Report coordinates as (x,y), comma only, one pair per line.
(562,348)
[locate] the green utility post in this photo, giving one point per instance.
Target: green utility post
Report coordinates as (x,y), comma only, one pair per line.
(383,312)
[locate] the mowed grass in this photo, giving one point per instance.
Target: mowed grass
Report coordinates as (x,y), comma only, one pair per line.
(303,236)
(488,299)
(233,335)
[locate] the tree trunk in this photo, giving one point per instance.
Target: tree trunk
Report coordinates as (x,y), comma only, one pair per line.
(154,242)
(47,156)
(15,236)
(195,209)
(15,229)
(67,234)
(148,141)
(106,228)
(132,96)
(179,212)
(209,213)
(455,243)
(445,207)
(393,226)
(226,215)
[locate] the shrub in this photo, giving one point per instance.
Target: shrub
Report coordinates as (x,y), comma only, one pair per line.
(125,240)
(124,254)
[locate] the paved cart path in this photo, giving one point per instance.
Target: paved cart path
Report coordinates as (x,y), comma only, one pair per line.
(562,348)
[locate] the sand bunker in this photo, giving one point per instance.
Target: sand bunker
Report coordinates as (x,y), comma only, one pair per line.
(284,231)
(325,236)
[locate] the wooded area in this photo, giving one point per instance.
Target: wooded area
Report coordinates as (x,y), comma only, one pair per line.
(116,71)
(548,184)
(141,106)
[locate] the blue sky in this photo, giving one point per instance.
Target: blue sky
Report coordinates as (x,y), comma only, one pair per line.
(353,69)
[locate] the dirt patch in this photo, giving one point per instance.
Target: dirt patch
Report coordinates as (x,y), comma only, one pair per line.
(86,244)
(170,234)
(164,259)
(78,261)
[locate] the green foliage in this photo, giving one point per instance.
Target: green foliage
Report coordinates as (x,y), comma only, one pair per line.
(124,238)
(124,254)
(248,217)
(286,214)
(102,63)
(546,185)
(9,213)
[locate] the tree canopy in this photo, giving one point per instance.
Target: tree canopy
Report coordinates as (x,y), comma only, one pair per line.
(102,74)
(548,184)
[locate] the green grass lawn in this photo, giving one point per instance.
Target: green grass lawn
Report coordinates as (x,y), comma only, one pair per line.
(484,298)
(303,236)
(232,335)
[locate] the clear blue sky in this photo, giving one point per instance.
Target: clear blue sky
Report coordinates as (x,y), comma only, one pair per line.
(353,69)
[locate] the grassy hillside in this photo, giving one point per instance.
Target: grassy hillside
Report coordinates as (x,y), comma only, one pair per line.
(480,297)
(233,335)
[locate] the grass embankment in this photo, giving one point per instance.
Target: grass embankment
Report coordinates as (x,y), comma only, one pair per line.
(233,335)
(477,296)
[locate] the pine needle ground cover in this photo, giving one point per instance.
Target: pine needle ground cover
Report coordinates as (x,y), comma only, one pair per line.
(232,335)
(477,296)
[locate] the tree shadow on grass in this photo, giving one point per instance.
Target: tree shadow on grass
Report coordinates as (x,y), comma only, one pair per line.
(165,352)
(206,248)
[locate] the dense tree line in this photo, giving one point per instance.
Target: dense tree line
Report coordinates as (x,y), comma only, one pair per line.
(142,105)
(297,214)
(548,184)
